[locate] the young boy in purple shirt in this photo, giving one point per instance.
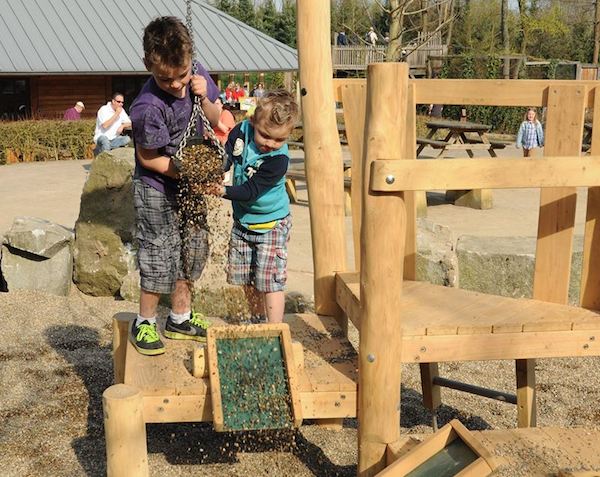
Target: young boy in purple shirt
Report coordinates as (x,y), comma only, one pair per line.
(160,115)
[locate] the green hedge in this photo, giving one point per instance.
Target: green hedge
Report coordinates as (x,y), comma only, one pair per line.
(45,140)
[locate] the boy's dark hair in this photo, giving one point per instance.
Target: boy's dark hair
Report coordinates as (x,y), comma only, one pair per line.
(167,41)
(277,107)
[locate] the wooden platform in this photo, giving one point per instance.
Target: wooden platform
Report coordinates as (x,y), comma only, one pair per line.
(172,394)
(440,322)
(547,451)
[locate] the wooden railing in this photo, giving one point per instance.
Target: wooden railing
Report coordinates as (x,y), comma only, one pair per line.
(357,57)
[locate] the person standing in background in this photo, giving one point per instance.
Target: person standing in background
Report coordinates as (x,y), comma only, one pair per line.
(74,113)
(531,134)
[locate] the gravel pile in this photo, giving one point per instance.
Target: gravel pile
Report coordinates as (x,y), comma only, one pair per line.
(55,362)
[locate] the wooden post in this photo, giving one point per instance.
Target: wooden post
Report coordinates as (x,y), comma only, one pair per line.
(121,323)
(382,266)
(322,152)
(564,130)
(125,431)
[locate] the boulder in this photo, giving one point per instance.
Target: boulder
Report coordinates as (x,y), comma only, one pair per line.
(436,256)
(104,231)
(37,255)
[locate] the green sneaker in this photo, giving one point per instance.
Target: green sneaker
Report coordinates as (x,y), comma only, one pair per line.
(192,329)
(145,339)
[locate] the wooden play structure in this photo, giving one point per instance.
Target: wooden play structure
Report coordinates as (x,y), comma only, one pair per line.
(399,319)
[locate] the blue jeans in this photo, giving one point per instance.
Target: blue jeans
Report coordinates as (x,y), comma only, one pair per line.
(105,144)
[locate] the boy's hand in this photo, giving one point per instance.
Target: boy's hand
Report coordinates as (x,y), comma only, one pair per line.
(199,85)
(215,189)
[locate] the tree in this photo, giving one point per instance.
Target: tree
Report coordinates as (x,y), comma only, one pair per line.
(284,28)
(246,12)
(268,16)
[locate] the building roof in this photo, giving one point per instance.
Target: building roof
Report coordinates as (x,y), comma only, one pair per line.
(105,37)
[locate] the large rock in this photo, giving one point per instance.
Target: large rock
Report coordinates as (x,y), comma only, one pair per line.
(105,228)
(505,265)
(436,257)
(37,255)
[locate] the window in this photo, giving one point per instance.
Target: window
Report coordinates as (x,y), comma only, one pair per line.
(14,98)
(129,87)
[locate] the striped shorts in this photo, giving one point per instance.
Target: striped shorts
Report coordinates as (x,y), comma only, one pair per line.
(160,256)
(259,259)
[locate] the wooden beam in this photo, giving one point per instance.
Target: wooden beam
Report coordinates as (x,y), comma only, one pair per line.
(482,347)
(381,273)
(322,152)
(590,275)
(482,92)
(197,407)
(458,174)
(354,96)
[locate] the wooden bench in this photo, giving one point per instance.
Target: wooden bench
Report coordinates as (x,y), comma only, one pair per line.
(435,143)
(495,143)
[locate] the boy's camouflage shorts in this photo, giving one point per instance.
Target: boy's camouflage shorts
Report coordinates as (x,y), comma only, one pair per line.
(259,259)
(160,256)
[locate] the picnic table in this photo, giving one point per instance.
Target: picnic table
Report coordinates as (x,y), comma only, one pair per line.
(456,137)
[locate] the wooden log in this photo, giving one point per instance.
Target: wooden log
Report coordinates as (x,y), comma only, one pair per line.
(323,153)
(125,431)
(382,260)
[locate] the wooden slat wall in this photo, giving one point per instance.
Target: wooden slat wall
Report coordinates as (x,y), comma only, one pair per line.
(52,95)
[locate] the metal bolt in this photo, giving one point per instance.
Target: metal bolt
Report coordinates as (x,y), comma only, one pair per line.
(586,346)
(161,409)
(343,396)
(423,349)
(303,91)
(166,401)
(338,404)
(390,179)
(592,338)
(370,358)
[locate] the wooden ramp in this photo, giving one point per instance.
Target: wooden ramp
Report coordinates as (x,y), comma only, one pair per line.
(450,324)
(327,375)
(532,452)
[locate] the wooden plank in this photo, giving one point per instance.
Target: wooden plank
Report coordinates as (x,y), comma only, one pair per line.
(405,444)
(420,453)
(328,405)
(120,323)
(526,402)
(474,443)
(479,92)
(499,173)
(410,197)
(354,98)
(546,344)
(347,300)
(590,275)
(564,126)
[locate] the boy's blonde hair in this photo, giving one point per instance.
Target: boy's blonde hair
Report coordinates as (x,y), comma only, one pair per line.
(278,108)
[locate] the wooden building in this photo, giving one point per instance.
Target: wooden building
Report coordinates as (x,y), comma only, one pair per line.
(53,54)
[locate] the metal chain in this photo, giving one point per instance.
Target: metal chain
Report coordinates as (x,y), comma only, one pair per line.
(197,110)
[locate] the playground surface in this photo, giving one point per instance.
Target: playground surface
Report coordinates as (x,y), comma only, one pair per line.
(55,363)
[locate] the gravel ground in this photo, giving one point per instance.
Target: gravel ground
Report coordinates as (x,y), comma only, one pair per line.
(55,363)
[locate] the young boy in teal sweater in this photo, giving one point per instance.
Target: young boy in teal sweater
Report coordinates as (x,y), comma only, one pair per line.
(259,159)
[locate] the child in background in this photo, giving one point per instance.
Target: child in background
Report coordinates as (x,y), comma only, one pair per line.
(262,222)
(531,134)
(160,115)
(226,122)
